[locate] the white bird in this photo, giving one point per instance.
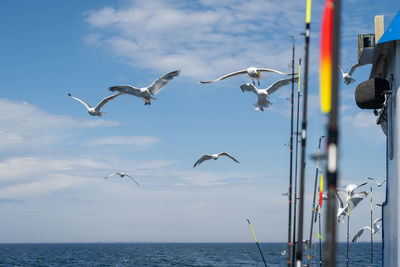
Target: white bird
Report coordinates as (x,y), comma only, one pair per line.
(375,229)
(146,93)
(122,175)
(252,72)
(352,203)
(347,76)
(377,183)
(283,253)
(263,94)
(348,191)
(214,157)
(95,111)
(285,194)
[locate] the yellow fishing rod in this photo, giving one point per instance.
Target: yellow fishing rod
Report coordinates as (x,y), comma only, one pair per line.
(254,235)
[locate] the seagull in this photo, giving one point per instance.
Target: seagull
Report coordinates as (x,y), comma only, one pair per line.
(214,157)
(96,110)
(252,72)
(348,191)
(285,194)
(283,253)
(121,174)
(375,229)
(377,183)
(146,93)
(353,202)
(263,94)
(347,76)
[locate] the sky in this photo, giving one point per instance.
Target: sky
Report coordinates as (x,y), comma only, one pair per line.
(54,155)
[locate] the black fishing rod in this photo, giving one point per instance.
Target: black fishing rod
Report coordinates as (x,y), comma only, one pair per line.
(290,243)
(254,235)
(320,236)
(332,146)
(348,235)
(295,165)
(314,196)
(372,242)
(299,250)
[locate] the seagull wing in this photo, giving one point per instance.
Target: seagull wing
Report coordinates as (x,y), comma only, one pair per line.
(110,175)
(376,221)
(200,160)
(275,71)
(121,88)
(158,84)
(227,76)
(341,192)
(356,198)
(352,69)
(249,88)
(226,154)
(108,98)
(276,85)
(360,185)
(360,232)
(80,100)
(381,183)
(373,179)
(132,178)
(340,70)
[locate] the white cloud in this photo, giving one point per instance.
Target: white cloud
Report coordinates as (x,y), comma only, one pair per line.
(26,126)
(364,125)
(40,187)
(200,38)
(140,142)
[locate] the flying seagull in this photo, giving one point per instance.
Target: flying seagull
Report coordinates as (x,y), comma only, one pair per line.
(121,174)
(347,76)
(96,110)
(377,183)
(375,229)
(353,202)
(146,93)
(252,72)
(214,157)
(263,94)
(348,191)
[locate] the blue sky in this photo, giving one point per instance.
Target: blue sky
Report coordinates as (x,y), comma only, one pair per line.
(53,155)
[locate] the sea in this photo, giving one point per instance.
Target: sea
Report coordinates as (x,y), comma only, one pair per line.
(172,254)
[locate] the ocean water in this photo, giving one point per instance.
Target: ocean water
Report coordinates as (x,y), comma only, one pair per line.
(169,254)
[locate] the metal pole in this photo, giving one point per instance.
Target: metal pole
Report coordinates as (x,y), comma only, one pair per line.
(315,188)
(295,168)
(372,242)
(290,243)
(254,235)
(333,129)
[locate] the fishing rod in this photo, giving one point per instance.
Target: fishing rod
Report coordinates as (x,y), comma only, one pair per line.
(348,235)
(251,228)
(290,243)
(295,168)
(319,223)
(372,242)
(299,250)
(315,188)
(329,99)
